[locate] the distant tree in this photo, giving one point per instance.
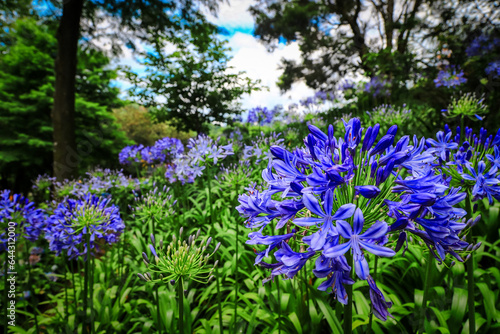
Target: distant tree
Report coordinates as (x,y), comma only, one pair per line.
(122,21)
(193,85)
(141,127)
(27,52)
(336,37)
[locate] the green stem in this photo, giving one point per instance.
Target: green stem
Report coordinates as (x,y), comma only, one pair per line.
(91,292)
(75,306)
(470,275)
(430,262)
(219,299)
(66,311)
(236,278)
(86,284)
(348,308)
(158,319)
(279,305)
(180,305)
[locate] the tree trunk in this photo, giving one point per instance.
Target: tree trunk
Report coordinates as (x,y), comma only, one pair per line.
(66,158)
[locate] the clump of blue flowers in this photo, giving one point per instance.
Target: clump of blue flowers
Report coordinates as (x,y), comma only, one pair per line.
(340,201)
(164,150)
(451,76)
(378,87)
(29,221)
(190,165)
(74,220)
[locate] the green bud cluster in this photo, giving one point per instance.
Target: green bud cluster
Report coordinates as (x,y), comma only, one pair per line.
(181,259)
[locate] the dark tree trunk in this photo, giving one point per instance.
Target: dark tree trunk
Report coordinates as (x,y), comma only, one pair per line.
(66,158)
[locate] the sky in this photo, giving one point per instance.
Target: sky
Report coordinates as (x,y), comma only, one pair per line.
(250,56)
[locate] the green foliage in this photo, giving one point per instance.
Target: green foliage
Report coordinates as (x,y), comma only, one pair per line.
(140,126)
(26,96)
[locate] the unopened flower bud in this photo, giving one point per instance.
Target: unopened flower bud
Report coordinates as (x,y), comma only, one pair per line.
(153,239)
(141,276)
(476,246)
(172,282)
(217,247)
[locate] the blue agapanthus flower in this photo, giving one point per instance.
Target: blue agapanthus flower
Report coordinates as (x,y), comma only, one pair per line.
(378,87)
(130,154)
(352,197)
(29,221)
(74,220)
(471,162)
(493,69)
(450,77)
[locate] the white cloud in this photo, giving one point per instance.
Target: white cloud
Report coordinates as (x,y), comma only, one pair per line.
(251,56)
(233,14)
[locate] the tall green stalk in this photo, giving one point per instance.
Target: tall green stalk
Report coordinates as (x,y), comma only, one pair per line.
(236,269)
(91,291)
(428,269)
(279,305)
(66,311)
(219,301)
(218,278)
(348,307)
(86,285)
(470,274)
(75,303)
(158,309)
(180,304)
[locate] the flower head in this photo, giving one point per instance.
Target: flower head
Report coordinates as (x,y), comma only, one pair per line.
(75,220)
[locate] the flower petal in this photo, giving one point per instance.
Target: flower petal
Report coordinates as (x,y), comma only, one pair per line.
(377,230)
(311,202)
(337,250)
(307,221)
(361,267)
(344,229)
(376,249)
(358,221)
(344,212)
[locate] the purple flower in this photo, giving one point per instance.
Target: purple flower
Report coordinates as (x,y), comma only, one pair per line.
(317,240)
(358,241)
(29,221)
(380,306)
(72,220)
(486,184)
(452,76)
(442,145)
(493,69)
(368,191)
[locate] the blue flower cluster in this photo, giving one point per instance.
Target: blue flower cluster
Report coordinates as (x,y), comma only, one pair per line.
(73,219)
(29,221)
(482,45)
(451,76)
(493,69)
(202,150)
(378,87)
(473,162)
(360,194)
(318,99)
(263,115)
(347,85)
(162,151)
